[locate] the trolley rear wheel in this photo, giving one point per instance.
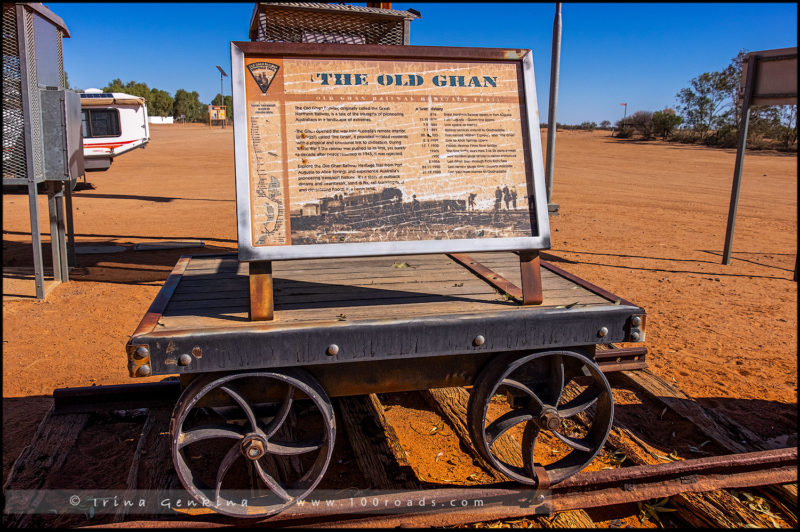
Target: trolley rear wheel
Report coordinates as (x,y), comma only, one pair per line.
(544,394)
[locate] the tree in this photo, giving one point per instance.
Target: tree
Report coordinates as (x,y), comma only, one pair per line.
(787,130)
(642,121)
(132,87)
(713,103)
(160,103)
(189,105)
(605,124)
(665,122)
(774,122)
(624,129)
(705,103)
(733,73)
(589,126)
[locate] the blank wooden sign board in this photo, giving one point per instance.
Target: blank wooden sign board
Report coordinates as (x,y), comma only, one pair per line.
(348,151)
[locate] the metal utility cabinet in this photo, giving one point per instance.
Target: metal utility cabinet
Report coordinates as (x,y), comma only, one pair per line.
(42,141)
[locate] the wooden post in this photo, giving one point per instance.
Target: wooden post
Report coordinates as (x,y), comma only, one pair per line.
(262,306)
(531,277)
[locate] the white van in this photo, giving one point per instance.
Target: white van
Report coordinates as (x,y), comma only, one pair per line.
(113,123)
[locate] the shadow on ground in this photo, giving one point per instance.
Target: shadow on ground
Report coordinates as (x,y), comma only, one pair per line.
(127,267)
(721,271)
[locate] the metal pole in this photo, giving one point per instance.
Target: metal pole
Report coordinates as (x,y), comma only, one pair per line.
(27,86)
(63,261)
(71,258)
(36,239)
(737,167)
(55,248)
(551,116)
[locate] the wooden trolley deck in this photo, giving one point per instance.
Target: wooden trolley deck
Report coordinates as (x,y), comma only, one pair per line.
(387,309)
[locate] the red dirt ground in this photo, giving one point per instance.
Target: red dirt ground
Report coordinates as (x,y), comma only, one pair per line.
(645,220)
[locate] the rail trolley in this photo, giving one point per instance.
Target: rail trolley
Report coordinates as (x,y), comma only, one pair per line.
(259,393)
(263,339)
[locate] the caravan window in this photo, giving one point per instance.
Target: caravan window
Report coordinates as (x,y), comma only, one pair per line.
(100,123)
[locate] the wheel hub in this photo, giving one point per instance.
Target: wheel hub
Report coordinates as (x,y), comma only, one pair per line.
(254,446)
(549,419)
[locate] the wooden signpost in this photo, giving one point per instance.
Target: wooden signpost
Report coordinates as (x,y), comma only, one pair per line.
(217,113)
(367,151)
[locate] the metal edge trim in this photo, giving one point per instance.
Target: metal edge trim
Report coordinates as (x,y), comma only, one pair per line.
(587,285)
(150,319)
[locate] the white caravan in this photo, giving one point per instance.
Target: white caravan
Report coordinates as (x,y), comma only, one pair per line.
(113,123)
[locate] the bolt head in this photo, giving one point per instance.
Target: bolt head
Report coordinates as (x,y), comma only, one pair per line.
(636,321)
(602,332)
(550,420)
(143,371)
(185,359)
(479,340)
(141,352)
(253,448)
(332,350)
(636,336)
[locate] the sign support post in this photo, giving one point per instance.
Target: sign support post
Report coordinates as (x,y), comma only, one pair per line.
(769,77)
(551,118)
(737,167)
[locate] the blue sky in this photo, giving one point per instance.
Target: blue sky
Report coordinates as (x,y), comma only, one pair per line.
(642,54)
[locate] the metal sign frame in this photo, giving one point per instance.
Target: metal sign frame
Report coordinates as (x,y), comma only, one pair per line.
(774,85)
(534,168)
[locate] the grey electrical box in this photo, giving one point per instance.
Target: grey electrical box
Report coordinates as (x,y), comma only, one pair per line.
(63,139)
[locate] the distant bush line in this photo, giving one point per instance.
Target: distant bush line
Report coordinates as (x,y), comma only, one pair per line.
(708,112)
(184,105)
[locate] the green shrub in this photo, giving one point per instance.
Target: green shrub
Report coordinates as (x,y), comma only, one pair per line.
(624,133)
(725,137)
(684,136)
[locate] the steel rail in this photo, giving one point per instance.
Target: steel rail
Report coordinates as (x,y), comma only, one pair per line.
(606,488)
(584,490)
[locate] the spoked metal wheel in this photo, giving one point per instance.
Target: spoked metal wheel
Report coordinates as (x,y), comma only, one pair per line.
(556,406)
(252,444)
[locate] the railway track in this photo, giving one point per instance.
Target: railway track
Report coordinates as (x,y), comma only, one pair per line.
(698,491)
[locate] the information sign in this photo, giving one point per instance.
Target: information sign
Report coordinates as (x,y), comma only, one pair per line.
(374,150)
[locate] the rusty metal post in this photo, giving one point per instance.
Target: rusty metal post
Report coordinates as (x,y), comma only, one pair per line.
(262,306)
(531,277)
